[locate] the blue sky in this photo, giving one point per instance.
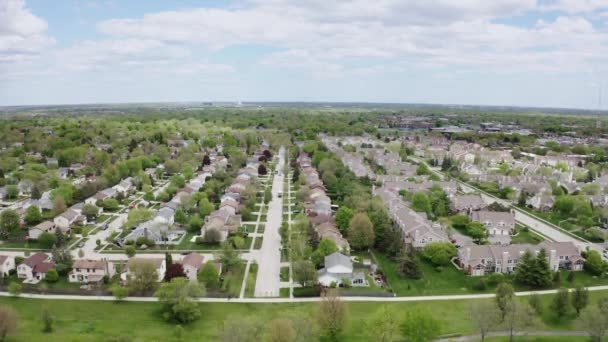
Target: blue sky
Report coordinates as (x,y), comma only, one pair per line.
(548,53)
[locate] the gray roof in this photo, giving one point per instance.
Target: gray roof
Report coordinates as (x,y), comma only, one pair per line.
(337,259)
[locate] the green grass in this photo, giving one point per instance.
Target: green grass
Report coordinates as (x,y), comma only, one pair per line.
(233,280)
(526,236)
(449,281)
(258,242)
(104,321)
(251,277)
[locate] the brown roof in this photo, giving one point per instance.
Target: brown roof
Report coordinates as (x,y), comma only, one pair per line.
(36,259)
(3,258)
(193,259)
(45,225)
(135,261)
(44,267)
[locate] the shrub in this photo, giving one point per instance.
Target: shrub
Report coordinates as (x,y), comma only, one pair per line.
(495,279)
(212,236)
(479,284)
(52,276)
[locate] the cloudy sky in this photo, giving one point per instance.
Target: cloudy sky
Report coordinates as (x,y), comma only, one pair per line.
(551,53)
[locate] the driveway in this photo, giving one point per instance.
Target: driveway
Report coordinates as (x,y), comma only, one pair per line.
(268,280)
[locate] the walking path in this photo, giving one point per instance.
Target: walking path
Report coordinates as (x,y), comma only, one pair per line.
(268,278)
(300,300)
(505,333)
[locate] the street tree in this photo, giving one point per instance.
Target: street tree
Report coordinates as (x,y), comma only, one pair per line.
(504,295)
(142,276)
(304,272)
(420,326)
(486,316)
(580,299)
(332,315)
(383,325)
(178,300)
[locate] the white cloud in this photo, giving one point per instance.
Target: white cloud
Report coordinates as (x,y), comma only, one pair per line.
(21,32)
(575,6)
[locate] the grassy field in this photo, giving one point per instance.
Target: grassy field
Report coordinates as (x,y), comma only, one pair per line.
(129,321)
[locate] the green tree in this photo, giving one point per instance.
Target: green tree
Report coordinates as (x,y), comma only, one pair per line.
(485,316)
(47,240)
(383,325)
(228,256)
(477,231)
(130,251)
(325,248)
(90,211)
(119,292)
(142,276)
(420,326)
(580,299)
(51,276)
(304,272)
(205,207)
(47,321)
(14,289)
(421,203)
(343,217)
(542,274)
(360,231)
(504,295)
(208,275)
(561,303)
(594,263)
(332,315)
(195,223)
(178,300)
(439,253)
(422,170)
(9,222)
(137,216)
(12,191)
(33,215)
(594,322)
(408,264)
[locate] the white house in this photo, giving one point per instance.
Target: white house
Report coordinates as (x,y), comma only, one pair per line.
(42,227)
(67,219)
(35,267)
(7,264)
(338,268)
(89,271)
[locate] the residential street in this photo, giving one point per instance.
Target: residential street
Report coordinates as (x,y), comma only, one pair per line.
(268,280)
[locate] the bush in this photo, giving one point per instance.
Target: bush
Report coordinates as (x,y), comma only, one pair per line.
(47,240)
(479,284)
(51,276)
(495,279)
(212,236)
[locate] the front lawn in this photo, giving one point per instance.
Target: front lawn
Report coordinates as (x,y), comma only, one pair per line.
(233,280)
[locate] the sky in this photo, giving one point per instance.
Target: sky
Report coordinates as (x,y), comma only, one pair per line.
(545,53)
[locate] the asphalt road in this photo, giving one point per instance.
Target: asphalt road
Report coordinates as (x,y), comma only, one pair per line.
(268,280)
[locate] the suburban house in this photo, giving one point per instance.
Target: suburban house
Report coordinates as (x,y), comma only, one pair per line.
(69,218)
(339,268)
(7,264)
(166,214)
(328,231)
(159,265)
(478,260)
(89,271)
(102,195)
(42,227)
(223,221)
(35,267)
(500,225)
(542,202)
(125,186)
(467,203)
(192,263)
(45,202)
(157,231)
